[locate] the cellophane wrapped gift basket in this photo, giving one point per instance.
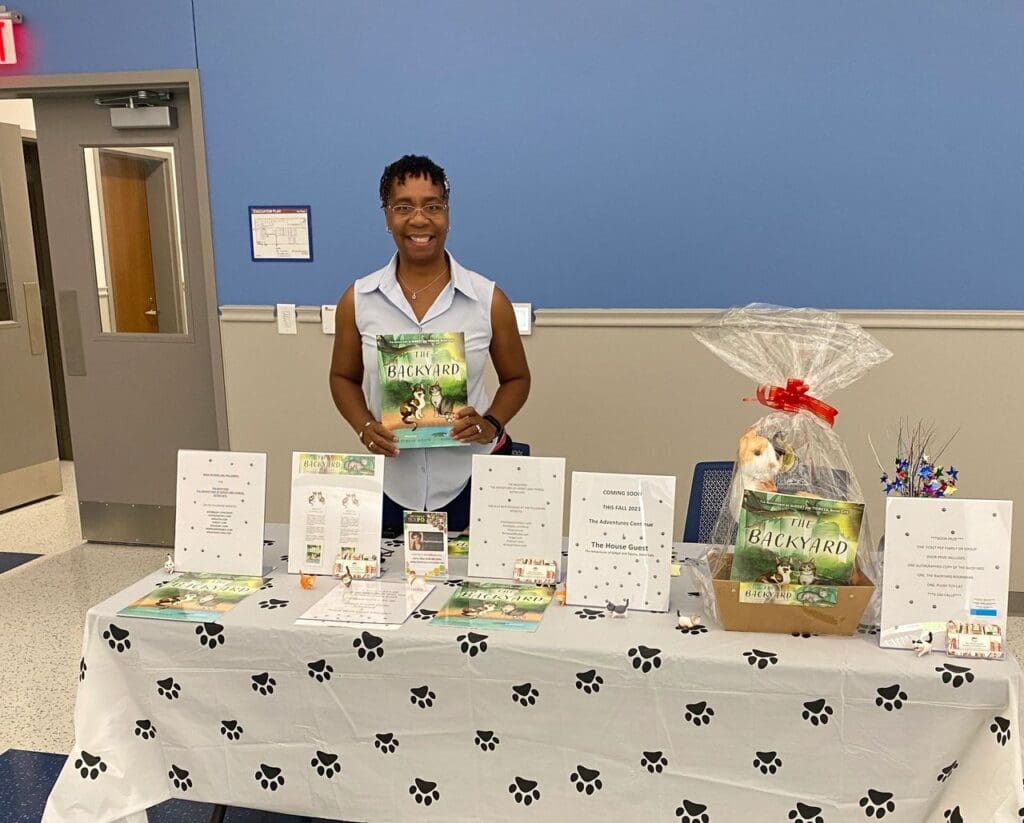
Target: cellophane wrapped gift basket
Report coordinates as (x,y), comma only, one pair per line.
(788,458)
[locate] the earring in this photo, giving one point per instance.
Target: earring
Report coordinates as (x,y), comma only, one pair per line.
(388,231)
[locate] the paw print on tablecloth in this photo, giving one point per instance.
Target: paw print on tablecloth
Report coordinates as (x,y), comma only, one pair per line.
(423,614)
(953,815)
(231,729)
(82,669)
(698,629)
(586,780)
(422,696)
(168,688)
(877,804)
(368,646)
(179,777)
(654,762)
(947,772)
(268,585)
(211,635)
(269,777)
(472,643)
(424,791)
(645,658)
(871,629)
(761,659)
(525,694)
(273,603)
(263,683)
(955,676)
(691,812)
(806,814)
(386,742)
(486,740)
(589,682)
(325,764)
(817,712)
(524,791)
(284,558)
(1001,729)
(454,581)
(699,714)
(320,670)
(890,697)
(591,614)
(767,762)
(90,766)
(117,638)
(803,635)
(145,729)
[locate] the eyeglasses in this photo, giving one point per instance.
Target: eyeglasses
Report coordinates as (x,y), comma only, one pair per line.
(430,210)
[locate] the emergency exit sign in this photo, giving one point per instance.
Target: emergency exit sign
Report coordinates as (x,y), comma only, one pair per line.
(8,53)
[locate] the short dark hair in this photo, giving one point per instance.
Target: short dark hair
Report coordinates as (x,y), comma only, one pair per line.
(412,165)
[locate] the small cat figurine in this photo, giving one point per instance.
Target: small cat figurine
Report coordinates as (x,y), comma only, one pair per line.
(618,609)
(781,576)
(443,406)
(807,573)
(411,411)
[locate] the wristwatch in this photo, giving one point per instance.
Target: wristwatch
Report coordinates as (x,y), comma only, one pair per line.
(498,428)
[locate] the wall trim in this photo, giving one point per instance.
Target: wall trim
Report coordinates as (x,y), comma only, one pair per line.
(690,318)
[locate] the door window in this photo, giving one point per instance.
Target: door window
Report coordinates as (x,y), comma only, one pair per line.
(136,231)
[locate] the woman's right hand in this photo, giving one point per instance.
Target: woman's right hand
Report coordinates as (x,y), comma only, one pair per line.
(379,439)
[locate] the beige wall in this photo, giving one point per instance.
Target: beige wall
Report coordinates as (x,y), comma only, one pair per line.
(632,391)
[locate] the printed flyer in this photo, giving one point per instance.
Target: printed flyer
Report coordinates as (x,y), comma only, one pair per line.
(426,544)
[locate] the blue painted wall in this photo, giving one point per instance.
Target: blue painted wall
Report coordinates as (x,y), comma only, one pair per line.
(659,153)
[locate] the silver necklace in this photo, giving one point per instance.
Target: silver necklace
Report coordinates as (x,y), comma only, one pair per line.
(412,293)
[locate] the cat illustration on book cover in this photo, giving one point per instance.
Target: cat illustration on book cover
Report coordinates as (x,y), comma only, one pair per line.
(411,411)
(443,406)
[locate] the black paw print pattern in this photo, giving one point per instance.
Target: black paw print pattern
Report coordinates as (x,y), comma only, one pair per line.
(756,657)
(817,712)
(424,791)
(422,696)
(955,676)
(423,614)
(211,635)
(590,614)
(524,791)
(698,629)
(273,603)
(263,683)
(525,694)
(589,682)
(691,812)
(586,781)
(231,729)
(168,688)
(767,762)
(179,777)
(890,697)
(368,646)
(472,643)
(806,814)
(320,670)
(699,714)
(947,772)
(90,766)
(869,629)
(325,764)
(117,638)
(453,581)
(268,585)
(1001,729)
(82,669)
(486,740)
(645,658)
(654,762)
(953,815)
(386,742)
(877,804)
(269,777)
(145,729)
(803,635)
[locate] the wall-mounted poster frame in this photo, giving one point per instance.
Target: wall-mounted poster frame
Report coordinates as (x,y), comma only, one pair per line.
(280,233)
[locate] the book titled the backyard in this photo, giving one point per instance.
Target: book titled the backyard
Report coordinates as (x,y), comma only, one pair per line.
(495,606)
(795,550)
(194,598)
(422,384)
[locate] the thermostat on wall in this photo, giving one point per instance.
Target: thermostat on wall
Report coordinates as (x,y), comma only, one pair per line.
(524,317)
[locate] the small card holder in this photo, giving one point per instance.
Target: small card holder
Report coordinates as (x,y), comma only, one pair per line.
(977,640)
(535,571)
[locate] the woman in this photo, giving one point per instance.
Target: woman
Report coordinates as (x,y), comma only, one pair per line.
(424,289)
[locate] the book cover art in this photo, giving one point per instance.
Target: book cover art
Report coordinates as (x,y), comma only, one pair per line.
(791,541)
(423,383)
(194,598)
(495,606)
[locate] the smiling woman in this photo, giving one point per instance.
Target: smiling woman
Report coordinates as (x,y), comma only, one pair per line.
(424,289)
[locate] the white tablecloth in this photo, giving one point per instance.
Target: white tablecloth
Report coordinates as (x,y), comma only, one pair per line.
(590,718)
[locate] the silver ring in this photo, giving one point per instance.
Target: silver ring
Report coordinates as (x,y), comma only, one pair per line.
(478,429)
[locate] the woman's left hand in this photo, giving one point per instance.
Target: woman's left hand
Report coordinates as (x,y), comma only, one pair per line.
(470,427)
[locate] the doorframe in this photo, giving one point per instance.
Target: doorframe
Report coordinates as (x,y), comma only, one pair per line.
(38,85)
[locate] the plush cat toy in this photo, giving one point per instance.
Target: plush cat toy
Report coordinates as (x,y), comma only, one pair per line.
(757,466)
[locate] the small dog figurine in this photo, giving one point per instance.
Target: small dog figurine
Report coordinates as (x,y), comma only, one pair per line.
(346,578)
(169,565)
(617,610)
(687,621)
(307,581)
(923,644)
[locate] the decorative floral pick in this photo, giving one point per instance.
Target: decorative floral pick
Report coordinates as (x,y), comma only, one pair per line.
(917,474)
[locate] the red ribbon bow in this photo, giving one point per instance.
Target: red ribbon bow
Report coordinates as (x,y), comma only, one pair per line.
(794,398)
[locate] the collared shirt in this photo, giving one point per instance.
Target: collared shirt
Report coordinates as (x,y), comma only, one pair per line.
(427,479)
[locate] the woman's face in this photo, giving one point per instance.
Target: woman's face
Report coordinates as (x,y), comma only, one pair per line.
(419,238)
